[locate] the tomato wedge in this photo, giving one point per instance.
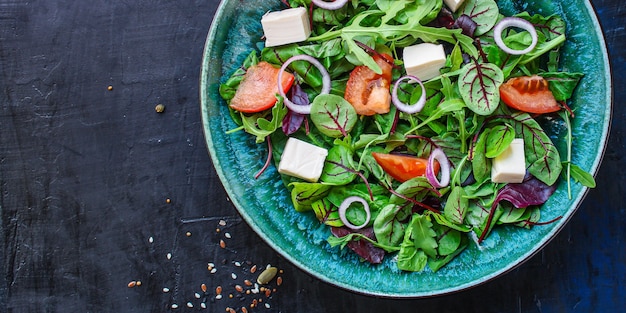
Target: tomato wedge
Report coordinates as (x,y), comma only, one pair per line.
(402,167)
(367,91)
(529,94)
(257,91)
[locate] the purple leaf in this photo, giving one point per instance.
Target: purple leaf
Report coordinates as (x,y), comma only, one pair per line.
(293,120)
(362,248)
(530,192)
(467,24)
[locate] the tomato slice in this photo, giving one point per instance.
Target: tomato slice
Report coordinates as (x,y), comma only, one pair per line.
(367,91)
(402,167)
(529,94)
(257,91)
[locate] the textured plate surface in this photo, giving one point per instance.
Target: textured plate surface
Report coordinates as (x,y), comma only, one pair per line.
(265,204)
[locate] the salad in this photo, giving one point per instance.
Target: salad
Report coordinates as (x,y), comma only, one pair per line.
(411,128)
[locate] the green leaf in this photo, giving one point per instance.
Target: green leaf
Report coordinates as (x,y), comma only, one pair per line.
(582,176)
(326,212)
(304,194)
(390,224)
(484,12)
(499,139)
(424,235)
(456,205)
(542,157)
(479,85)
(414,188)
(258,125)
(562,84)
(480,164)
(333,115)
(338,167)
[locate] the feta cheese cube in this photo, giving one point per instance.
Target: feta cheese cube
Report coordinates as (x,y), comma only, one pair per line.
(510,165)
(303,160)
(424,60)
(453,5)
(286,26)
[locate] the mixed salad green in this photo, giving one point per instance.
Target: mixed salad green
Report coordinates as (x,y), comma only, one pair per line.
(416,221)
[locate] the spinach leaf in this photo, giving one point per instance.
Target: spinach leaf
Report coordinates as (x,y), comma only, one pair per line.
(484,12)
(456,205)
(479,85)
(258,125)
(562,84)
(499,138)
(542,157)
(410,258)
(338,167)
(326,212)
(303,195)
(333,115)
(390,224)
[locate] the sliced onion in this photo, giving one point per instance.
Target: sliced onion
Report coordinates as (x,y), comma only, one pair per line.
(303,109)
(344,207)
(406,108)
(444,165)
(335,5)
(514,22)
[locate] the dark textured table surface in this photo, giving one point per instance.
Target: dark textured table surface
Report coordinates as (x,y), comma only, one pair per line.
(99,191)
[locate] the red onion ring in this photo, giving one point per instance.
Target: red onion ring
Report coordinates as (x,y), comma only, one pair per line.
(344,207)
(303,109)
(444,164)
(406,108)
(335,5)
(514,22)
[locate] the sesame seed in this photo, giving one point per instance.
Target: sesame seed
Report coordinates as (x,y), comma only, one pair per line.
(166,290)
(169,256)
(237,264)
(227,235)
(222,223)
(213,270)
(233,275)
(189,305)
(267,305)
(217,297)
(203,305)
(197,295)
(174,306)
(151,240)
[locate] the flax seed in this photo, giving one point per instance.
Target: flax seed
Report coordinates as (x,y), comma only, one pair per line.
(218,290)
(238,288)
(253,269)
(203,287)
(279,280)
(222,244)
(132,284)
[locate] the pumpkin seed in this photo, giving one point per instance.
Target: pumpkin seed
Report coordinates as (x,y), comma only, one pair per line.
(267,275)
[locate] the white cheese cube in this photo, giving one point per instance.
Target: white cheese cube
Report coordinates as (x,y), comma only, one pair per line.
(286,26)
(510,165)
(453,5)
(424,60)
(303,160)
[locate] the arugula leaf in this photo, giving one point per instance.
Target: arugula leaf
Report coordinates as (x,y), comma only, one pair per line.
(258,125)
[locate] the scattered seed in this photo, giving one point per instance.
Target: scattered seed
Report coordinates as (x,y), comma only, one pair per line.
(166,290)
(222,223)
(248,292)
(159,108)
(267,305)
(230,296)
(197,295)
(132,284)
(218,290)
(138,283)
(238,288)
(189,305)
(281,271)
(203,305)
(188,234)
(253,269)
(168,200)
(230,310)
(255,302)
(169,256)
(247,282)
(203,287)
(244,310)
(267,275)
(109,88)
(217,230)
(279,280)
(213,270)
(268,292)
(151,240)
(237,264)
(218,297)
(174,306)
(222,244)
(227,235)
(233,275)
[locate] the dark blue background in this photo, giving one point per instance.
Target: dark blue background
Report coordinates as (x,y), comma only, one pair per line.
(85,173)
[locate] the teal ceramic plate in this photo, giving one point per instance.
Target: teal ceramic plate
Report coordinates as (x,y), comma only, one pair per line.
(265,204)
